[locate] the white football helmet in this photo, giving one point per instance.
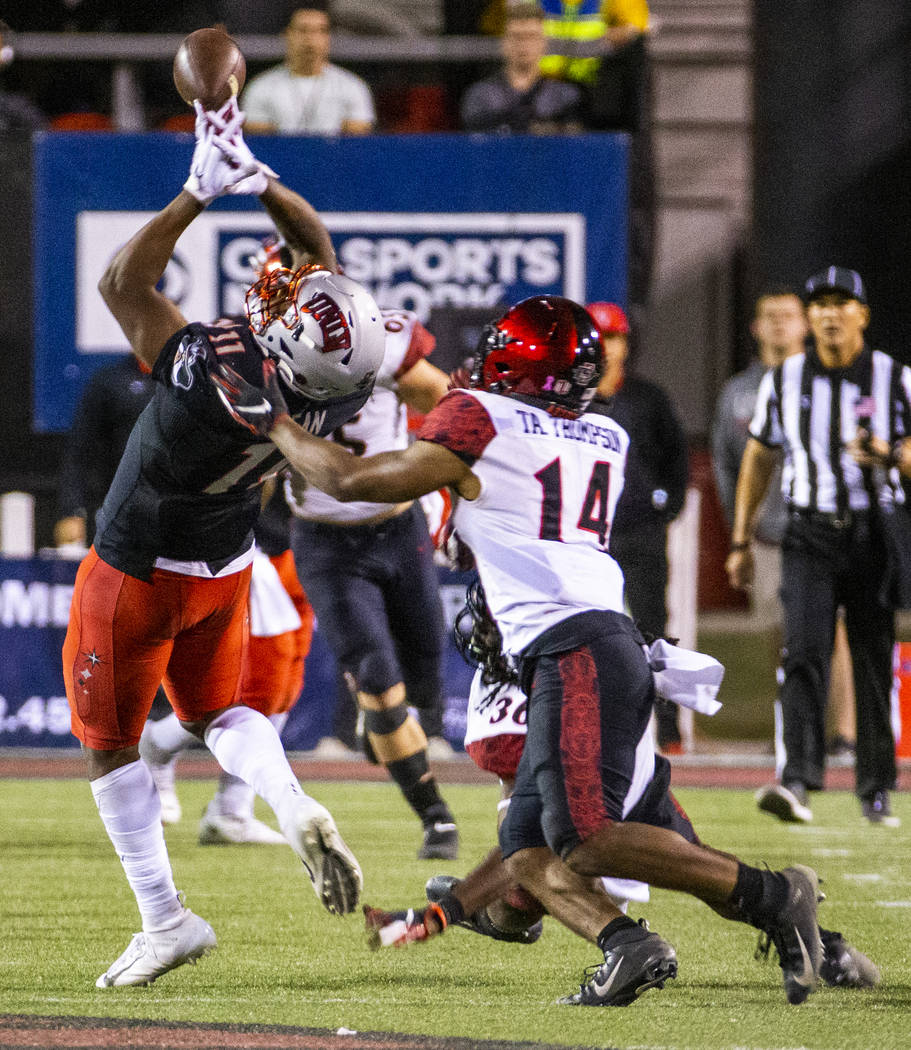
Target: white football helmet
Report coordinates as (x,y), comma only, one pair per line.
(323,330)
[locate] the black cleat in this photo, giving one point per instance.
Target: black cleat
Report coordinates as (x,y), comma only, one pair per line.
(441,841)
(634,961)
(788,802)
(877,810)
(843,966)
(795,934)
(440,886)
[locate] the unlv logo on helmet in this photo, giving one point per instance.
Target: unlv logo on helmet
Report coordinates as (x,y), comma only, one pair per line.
(332,322)
(323,330)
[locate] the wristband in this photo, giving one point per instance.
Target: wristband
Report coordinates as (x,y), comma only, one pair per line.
(742,546)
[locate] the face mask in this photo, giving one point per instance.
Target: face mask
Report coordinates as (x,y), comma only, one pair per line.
(6,55)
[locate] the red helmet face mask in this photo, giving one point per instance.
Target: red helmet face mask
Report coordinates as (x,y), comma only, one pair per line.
(547,348)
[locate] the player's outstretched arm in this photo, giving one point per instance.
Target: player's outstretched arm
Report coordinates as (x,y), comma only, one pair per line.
(390,477)
(300,225)
(146,316)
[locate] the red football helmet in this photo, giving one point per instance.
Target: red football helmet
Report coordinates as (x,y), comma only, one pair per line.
(610,318)
(547,348)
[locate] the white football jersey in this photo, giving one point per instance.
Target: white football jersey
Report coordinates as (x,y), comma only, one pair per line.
(380,426)
(540,527)
(494,710)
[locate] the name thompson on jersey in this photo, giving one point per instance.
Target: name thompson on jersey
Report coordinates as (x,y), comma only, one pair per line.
(572,429)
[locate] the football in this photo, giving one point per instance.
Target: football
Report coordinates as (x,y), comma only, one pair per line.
(209,66)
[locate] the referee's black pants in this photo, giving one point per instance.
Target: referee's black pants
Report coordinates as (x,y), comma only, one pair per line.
(824,565)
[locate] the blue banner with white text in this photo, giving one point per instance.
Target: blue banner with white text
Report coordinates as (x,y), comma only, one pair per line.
(427,222)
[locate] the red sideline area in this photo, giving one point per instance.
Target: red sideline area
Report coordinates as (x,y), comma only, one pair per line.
(101,1032)
(737,766)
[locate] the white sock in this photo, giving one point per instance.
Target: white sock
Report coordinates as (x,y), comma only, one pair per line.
(246,744)
(130,810)
(280,721)
(234,798)
(169,736)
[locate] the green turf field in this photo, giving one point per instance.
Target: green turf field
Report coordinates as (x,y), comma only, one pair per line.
(67,912)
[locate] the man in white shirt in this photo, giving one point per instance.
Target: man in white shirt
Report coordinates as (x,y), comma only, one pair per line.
(307,94)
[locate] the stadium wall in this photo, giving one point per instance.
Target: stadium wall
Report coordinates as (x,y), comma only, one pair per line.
(833,151)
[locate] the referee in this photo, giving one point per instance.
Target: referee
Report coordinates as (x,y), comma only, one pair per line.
(839,413)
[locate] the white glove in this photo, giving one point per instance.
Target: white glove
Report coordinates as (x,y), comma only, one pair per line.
(254,174)
(206,159)
(222,161)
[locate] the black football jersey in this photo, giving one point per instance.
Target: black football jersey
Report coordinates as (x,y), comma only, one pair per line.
(188,484)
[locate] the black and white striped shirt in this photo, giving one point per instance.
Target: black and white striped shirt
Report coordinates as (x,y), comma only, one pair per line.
(812,413)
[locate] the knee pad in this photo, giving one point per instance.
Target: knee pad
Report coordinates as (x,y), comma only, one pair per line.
(386,720)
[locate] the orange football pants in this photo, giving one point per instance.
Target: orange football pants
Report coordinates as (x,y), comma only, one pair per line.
(126,636)
(273,674)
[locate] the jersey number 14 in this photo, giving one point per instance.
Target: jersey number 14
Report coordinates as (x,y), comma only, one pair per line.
(594,514)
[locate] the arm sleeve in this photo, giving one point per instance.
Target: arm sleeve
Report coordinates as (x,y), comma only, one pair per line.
(765,425)
(461,424)
(421,345)
(626,12)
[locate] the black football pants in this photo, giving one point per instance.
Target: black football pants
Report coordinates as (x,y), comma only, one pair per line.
(823,567)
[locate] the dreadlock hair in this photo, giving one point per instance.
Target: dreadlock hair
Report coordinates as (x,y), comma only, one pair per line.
(479,641)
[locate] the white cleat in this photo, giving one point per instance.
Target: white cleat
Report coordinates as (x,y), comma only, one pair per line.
(440,750)
(334,871)
(149,955)
(223,829)
(162,766)
(331,748)
(171,810)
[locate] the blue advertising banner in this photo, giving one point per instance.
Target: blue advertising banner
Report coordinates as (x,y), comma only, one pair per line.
(426,222)
(35,596)
(34,610)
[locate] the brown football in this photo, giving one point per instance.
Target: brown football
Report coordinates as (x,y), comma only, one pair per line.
(209,66)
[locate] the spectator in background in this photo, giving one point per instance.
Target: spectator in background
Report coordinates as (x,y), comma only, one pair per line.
(519,98)
(574,26)
(779,328)
(841,414)
(110,404)
(601,47)
(653,492)
(307,94)
(17,113)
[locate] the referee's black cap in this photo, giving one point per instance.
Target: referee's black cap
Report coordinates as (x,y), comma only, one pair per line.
(836,279)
